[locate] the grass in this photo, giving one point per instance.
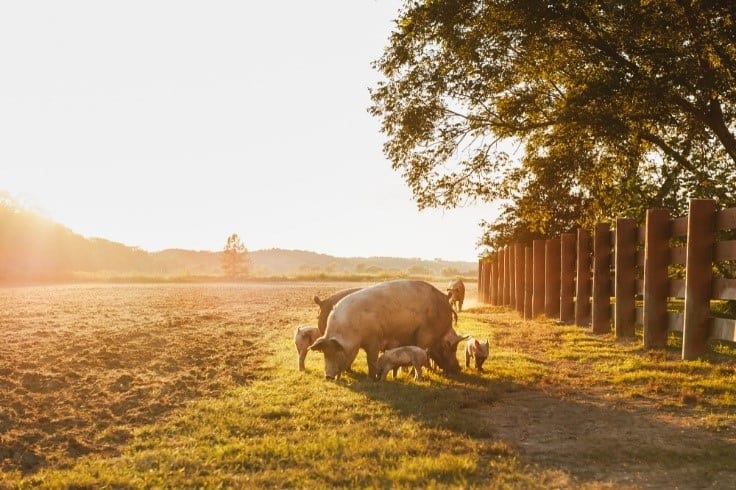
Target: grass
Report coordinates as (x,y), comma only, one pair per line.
(310,435)
(521,423)
(285,432)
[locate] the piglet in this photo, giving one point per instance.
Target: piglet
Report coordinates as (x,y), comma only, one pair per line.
(405,356)
(478,351)
(304,336)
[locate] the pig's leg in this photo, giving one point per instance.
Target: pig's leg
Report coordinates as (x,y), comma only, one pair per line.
(371,351)
(302,357)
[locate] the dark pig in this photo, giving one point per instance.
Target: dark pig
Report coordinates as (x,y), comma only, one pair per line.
(326,305)
(456,294)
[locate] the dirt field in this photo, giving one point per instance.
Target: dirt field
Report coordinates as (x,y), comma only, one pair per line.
(81,367)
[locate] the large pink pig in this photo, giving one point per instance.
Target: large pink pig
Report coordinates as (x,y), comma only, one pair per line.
(387,315)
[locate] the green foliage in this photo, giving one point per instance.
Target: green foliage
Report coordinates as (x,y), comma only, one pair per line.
(615,106)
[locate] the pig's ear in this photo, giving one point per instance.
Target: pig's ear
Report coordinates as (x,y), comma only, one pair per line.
(325,345)
(317,300)
(319,344)
(477,343)
(458,338)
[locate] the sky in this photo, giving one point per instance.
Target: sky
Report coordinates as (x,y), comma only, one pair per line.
(172,124)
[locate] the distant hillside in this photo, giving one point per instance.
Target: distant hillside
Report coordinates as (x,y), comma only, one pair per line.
(280,262)
(35,248)
(287,262)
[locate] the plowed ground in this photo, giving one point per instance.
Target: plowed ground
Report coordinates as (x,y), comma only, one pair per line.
(82,366)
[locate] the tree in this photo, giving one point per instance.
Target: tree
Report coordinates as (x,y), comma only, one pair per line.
(235,260)
(615,106)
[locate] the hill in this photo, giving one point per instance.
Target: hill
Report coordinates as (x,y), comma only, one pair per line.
(34,248)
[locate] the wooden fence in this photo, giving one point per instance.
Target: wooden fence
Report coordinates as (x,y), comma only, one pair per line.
(596,280)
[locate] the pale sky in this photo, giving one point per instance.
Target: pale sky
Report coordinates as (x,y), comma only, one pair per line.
(172,124)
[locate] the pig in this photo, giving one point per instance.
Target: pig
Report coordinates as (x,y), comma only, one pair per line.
(478,351)
(326,305)
(406,356)
(456,294)
(304,336)
(386,315)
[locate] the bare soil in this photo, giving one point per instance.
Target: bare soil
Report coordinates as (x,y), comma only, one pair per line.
(82,366)
(596,441)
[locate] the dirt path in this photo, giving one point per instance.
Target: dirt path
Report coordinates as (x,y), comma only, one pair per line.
(568,422)
(596,441)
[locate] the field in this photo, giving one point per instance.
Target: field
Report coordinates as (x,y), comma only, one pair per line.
(195,385)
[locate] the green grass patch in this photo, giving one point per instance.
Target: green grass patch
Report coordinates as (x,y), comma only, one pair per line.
(295,430)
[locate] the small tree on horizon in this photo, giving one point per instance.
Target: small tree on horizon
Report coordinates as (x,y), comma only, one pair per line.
(235,260)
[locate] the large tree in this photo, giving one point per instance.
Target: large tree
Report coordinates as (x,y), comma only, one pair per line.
(566,112)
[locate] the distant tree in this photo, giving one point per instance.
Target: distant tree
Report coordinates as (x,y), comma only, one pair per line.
(419,270)
(235,259)
(450,272)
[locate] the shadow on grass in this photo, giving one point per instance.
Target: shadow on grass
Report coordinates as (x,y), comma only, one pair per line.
(589,438)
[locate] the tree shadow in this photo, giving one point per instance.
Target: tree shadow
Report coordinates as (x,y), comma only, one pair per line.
(592,437)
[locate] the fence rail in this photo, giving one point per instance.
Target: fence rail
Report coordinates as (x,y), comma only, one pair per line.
(596,280)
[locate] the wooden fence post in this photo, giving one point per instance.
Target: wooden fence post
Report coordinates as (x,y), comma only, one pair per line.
(528,282)
(501,276)
(582,282)
(480,281)
(656,287)
(698,276)
(552,278)
(625,280)
(487,280)
(487,269)
(519,273)
(512,276)
(601,319)
(538,278)
(493,281)
(506,275)
(567,277)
